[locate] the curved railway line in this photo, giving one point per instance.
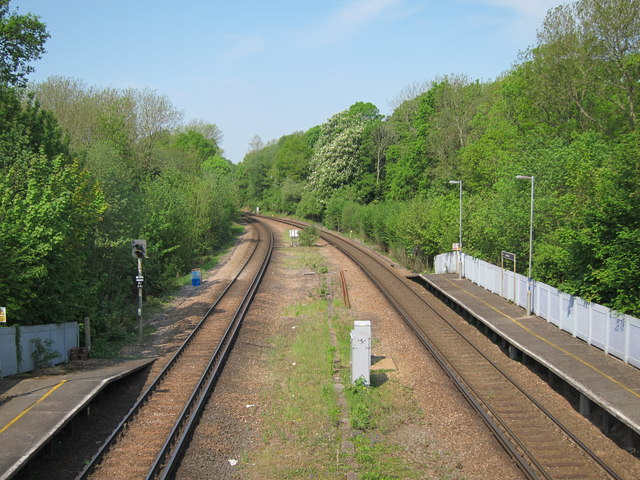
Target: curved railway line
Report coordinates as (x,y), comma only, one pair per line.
(150,440)
(538,442)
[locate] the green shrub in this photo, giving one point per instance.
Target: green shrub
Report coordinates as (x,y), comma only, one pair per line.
(309,236)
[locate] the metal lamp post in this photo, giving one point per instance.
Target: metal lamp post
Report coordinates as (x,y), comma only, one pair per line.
(526,177)
(459,182)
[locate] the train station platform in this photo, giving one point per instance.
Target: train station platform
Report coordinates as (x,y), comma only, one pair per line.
(33,410)
(606,381)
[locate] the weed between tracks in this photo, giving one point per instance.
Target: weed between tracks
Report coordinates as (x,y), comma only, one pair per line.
(301,437)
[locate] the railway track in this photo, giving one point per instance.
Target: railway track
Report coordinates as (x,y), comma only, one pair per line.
(538,442)
(150,440)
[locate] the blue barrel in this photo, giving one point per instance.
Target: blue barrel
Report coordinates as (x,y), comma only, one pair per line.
(196,275)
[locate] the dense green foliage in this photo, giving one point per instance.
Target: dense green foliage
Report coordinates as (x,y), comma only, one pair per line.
(566,113)
(22,39)
(114,166)
(158,180)
(83,171)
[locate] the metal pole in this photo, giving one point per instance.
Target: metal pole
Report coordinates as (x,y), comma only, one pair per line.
(530,251)
(140,298)
(515,282)
(460,266)
(530,279)
(459,182)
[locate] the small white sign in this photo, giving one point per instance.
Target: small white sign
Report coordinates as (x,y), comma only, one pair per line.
(294,233)
(455,247)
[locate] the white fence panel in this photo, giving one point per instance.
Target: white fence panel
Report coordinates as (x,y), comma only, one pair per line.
(508,286)
(523,285)
(617,334)
(613,332)
(568,310)
(555,306)
(633,341)
(599,325)
(583,320)
(542,300)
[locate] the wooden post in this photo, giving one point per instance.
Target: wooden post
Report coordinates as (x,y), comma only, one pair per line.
(87,333)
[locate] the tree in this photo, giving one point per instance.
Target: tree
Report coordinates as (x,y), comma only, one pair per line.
(292,157)
(381,137)
(585,67)
(337,161)
(256,144)
(192,141)
(49,207)
(22,39)
(217,165)
(210,131)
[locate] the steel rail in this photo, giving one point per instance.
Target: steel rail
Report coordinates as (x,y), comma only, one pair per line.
(95,460)
(453,373)
(185,425)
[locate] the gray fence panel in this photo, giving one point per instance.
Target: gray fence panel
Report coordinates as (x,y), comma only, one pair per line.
(8,364)
(63,336)
(71,338)
(58,335)
(26,359)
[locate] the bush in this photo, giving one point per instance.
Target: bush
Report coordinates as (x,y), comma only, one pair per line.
(309,236)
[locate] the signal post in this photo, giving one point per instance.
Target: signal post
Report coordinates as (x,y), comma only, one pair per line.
(139,251)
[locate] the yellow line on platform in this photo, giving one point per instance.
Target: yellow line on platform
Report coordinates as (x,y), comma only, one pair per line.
(53,389)
(595,369)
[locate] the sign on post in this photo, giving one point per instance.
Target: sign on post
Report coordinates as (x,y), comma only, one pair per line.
(294,235)
(3,314)
(139,251)
(509,256)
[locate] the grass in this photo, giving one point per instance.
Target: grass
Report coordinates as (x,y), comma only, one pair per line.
(302,415)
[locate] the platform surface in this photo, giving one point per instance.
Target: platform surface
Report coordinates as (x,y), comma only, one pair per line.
(604,379)
(32,410)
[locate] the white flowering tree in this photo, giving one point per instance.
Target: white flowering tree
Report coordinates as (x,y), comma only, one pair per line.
(338,158)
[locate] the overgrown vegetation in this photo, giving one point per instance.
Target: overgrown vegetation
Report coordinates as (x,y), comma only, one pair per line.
(43,353)
(566,113)
(309,236)
(83,171)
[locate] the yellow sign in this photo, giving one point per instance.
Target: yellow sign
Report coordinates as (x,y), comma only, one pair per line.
(3,314)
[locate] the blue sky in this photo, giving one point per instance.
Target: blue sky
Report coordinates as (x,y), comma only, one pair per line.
(275,67)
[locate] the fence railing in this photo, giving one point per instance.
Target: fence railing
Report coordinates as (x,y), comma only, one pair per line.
(613,332)
(63,337)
